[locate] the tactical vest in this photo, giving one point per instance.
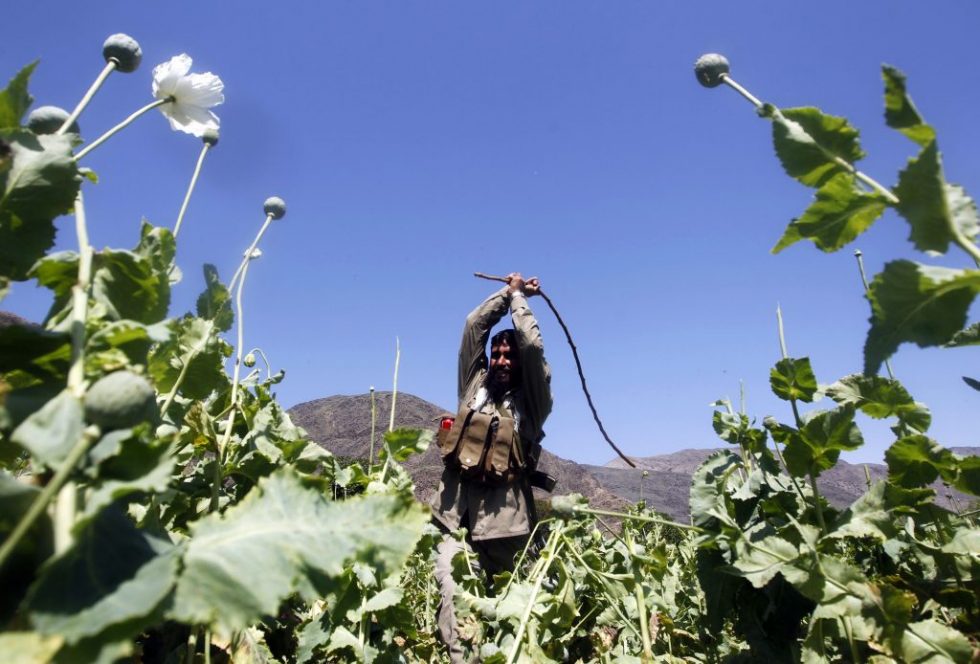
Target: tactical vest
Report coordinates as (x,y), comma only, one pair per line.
(484,448)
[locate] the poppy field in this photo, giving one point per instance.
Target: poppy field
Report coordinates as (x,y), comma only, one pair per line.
(157,504)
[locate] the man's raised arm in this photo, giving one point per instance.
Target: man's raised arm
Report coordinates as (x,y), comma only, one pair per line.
(472,349)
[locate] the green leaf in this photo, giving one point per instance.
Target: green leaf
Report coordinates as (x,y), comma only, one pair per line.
(214,303)
(877,512)
(918,460)
(932,641)
(28,647)
(403,443)
(816,447)
(880,397)
(932,206)
(967,478)
(131,285)
(15,99)
(111,580)
(968,336)
(760,561)
(193,343)
(900,112)
(128,337)
(839,213)
(281,539)
(708,499)
(34,350)
(793,378)
(140,466)
(919,303)
(32,550)
(51,433)
(38,182)
(807,142)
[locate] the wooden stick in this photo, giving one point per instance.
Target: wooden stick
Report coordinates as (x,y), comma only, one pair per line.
(578,365)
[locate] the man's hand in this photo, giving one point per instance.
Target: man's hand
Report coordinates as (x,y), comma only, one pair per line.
(515,283)
(532,287)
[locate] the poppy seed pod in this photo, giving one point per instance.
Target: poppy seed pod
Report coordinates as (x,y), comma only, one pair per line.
(210,136)
(711,69)
(124,50)
(120,400)
(48,120)
(275,207)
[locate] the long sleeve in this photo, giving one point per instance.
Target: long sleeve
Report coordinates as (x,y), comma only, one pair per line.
(535,373)
(472,349)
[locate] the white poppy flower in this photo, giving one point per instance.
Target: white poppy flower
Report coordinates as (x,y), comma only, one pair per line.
(191,95)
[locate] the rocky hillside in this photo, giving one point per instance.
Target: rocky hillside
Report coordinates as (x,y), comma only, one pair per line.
(342,424)
(669,478)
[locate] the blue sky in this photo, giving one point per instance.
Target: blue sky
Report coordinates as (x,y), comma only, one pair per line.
(416,142)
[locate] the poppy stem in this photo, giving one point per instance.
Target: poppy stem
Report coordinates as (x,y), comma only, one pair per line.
(122,125)
(109,68)
(190,188)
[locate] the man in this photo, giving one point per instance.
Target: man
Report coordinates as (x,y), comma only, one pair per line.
(493,445)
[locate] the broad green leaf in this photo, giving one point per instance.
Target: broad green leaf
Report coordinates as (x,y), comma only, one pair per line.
(708,487)
(38,182)
(35,351)
(214,303)
(919,303)
(111,581)
(793,378)
(196,350)
(900,112)
(57,272)
(140,466)
(968,336)
(28,647)
(838,588)
(816,447)
(917,461)
(877,512)
(931,642)
(736,429)
(839,213)
(967,478)
(403,443)
(32,550)
(282,538)
(834,429)
(807,142)
(15,99)
(51,433)
(932,206)
(868,516)
(131,285)
(127,285)
(880,397)
(965,542)
(760,561)
(124,340)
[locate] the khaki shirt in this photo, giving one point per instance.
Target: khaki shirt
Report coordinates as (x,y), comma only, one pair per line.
(497,511)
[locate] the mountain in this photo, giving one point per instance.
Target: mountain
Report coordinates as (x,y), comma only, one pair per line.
(342,424)
(666,487)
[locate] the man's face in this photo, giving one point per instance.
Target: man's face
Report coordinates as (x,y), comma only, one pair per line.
(505,365)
